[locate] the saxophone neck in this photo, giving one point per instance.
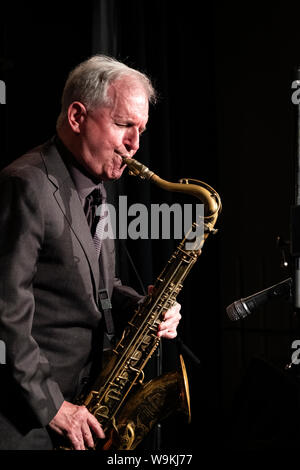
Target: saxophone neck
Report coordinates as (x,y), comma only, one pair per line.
(208,196)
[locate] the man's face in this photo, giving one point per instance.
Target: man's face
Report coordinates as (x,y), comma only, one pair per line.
(107,132)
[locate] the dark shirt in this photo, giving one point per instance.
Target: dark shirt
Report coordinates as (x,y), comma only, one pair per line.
(84,183)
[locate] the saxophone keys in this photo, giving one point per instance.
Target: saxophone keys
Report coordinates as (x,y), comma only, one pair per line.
(101,411)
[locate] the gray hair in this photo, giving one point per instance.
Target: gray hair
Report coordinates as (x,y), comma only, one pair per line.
(90,80)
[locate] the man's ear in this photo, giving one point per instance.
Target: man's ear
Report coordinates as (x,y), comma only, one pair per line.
(76,116)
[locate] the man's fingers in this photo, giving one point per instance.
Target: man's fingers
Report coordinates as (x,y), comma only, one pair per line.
(171,321)
(168,334)
(76,441)
(77,424)
(83,438)
(95,426)
(173,311)
(87,436)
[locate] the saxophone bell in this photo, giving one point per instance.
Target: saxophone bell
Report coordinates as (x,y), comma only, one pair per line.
(150,404)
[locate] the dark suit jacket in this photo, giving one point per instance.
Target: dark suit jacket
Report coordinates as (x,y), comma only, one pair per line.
(49,315)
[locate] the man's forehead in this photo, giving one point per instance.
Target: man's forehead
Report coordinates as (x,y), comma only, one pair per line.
(127,85)
(129,100)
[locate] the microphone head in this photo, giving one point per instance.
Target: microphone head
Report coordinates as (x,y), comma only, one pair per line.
(243,307)
(237,310)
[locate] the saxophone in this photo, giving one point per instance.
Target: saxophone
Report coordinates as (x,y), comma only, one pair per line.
(126,407)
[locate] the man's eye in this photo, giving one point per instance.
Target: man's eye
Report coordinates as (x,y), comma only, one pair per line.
(129,125)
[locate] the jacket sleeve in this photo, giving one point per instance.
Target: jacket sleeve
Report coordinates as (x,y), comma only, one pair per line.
(21,239)
(124,301)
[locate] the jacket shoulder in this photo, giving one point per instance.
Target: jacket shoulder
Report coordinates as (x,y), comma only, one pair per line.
(30,162)
(37,164)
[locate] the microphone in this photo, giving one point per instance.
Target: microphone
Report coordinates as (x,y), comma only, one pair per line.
(244,307)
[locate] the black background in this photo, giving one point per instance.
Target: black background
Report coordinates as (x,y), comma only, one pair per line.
(223,72)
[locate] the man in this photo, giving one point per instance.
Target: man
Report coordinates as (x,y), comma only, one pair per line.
(50,316)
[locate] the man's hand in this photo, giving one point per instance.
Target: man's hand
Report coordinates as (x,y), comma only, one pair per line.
(168,327)
(76,422)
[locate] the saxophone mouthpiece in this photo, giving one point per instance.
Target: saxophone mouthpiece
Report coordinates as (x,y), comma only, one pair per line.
(136,168)
(124,157)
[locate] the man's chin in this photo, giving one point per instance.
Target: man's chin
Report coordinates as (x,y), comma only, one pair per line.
(111,173)
(116,174)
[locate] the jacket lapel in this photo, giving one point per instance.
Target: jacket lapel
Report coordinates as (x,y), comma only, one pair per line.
(69,203)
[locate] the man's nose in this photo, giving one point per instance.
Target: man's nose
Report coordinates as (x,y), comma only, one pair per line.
(132,139)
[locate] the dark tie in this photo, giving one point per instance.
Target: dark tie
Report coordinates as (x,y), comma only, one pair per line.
(97,216)
(92,201)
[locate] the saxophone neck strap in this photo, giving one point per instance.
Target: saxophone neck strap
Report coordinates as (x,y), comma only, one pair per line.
(105,304)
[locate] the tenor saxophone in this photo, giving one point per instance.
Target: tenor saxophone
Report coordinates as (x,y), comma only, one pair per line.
(126,407)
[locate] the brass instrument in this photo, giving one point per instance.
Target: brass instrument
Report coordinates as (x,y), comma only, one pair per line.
(126,407)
